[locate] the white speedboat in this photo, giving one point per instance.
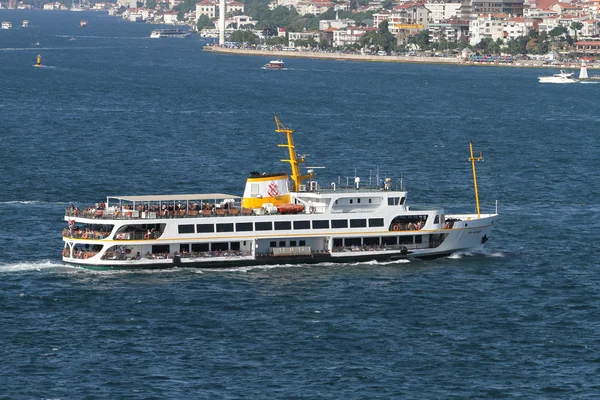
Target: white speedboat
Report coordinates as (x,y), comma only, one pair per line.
(280,219)
(561,77)
(169,33)
(275,64)
(6,25)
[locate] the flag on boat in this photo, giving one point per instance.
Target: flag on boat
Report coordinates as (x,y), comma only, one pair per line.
(71,223)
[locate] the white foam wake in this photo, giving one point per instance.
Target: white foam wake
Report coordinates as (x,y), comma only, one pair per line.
(33,266)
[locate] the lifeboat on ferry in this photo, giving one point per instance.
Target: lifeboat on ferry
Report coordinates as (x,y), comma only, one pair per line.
(290,208)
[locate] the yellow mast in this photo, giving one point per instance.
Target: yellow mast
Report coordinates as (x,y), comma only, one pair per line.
(293,160)
(473,159)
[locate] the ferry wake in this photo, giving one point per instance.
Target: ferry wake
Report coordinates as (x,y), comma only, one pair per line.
(280,219)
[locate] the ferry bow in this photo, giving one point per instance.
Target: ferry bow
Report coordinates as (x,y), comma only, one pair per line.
(279,219)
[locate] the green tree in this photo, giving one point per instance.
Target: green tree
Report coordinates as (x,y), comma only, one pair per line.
(204,22)
(384,27)
(243,36)
(556,32)
(421,39)
(277,41)
(576,26)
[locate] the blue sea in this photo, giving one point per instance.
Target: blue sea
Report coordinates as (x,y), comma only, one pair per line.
(113,112)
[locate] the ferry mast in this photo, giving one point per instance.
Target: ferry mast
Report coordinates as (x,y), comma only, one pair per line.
(293,160)
(473,159)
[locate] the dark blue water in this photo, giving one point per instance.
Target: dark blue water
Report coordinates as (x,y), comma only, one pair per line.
(115,112)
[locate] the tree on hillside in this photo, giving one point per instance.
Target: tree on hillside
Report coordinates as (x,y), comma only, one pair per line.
(242,36)
(204,22)
(576,26)
(387,4)
(384,27)
(421,39)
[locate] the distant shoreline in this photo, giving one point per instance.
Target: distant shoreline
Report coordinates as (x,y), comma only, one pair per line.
(276,54)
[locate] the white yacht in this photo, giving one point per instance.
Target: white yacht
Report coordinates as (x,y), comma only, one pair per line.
(6,25)
(561,77)
(279,219)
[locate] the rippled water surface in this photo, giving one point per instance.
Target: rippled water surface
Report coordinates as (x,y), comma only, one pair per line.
(114,112)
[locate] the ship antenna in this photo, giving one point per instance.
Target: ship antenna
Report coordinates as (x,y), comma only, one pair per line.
(293,159)
(473,159)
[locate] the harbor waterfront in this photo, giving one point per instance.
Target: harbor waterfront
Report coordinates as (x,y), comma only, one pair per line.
(339,56)
(115,112)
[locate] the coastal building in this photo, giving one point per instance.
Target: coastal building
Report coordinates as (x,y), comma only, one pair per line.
(591,47)
(210,8)
(239,21)
(440,10)
(294,36)
(509,7)
(487,26)
(549,23)
(101,6)
(313,7)
(303,7)
(565,8)
(335,23)
(348,36)
(170,17)
(517,26)
(590,27)
(410,16)
(206,7)
(451,30)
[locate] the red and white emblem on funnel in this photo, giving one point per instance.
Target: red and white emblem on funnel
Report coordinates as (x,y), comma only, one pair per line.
(273,190)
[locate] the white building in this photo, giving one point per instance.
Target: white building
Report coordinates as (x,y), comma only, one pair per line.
(207,8)
(293,36)
(313,7)
(440,11)
(347,36)
(335,23)
(210,8)
(411,16)
(486,26)
(170,18)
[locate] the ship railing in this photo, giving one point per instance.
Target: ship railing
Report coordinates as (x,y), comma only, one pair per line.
(352,189)
(169,256)
(150,215)
(84,234)
(367,248)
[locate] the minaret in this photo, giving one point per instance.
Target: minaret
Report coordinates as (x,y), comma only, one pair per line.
(222,22)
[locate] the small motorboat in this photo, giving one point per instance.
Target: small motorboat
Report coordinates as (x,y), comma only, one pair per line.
(562,77)
(275,64)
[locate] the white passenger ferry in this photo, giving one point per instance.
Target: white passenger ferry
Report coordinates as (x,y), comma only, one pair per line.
(279,219)
(169,33)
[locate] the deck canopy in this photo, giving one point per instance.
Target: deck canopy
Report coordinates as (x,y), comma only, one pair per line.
(173,197)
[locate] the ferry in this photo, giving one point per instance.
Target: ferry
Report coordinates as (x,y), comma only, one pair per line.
(275,64)
(169,33)
(279,219)
(6,25)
